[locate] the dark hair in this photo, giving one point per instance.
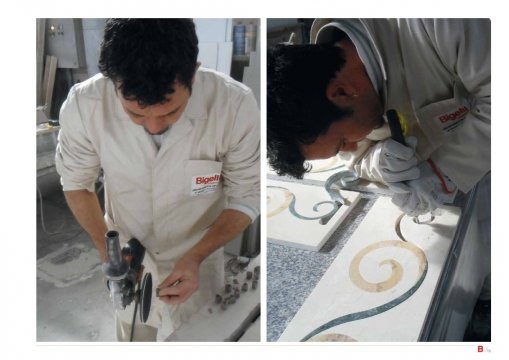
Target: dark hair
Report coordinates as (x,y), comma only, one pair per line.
(298,110)
(146,56)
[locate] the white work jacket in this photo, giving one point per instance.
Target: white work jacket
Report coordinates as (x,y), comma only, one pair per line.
(166,198)
(437,73)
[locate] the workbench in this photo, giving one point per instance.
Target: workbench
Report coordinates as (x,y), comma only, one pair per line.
(238,322)
(46,146)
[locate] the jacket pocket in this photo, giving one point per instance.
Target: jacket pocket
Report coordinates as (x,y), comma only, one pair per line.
(440,119)
(202,178)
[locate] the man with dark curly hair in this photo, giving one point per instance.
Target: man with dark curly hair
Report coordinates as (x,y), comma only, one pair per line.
(330,97)
(179,149)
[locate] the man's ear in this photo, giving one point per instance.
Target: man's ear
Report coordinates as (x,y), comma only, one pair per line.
(340,92)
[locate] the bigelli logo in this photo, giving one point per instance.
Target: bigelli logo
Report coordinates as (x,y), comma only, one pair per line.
(207,179)
(458,114)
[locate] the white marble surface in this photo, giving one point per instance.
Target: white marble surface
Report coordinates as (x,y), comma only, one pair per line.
(211,323)
(345,289)
(283,227)
(322,169)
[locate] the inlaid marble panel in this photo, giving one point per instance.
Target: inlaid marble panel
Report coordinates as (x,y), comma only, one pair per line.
(379,287)
(321,170)
(305,216)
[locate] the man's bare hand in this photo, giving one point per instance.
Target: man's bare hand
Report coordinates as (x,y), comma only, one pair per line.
(182,282)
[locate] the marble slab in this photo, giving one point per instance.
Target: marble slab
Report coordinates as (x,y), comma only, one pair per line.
(304,216)
(379,287)
(215,324)
(322,169)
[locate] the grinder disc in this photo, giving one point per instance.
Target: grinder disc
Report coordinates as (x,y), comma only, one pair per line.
(145,297)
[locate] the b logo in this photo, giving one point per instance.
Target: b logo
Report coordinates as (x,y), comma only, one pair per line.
(480,348)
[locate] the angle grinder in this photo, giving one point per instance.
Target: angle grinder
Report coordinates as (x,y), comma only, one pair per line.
(124,272)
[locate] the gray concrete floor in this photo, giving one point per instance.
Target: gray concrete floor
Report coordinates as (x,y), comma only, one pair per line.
(77,310)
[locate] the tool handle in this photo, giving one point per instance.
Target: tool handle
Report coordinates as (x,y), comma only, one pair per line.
(115,268)
(395,126)
(135,252)
(397,133)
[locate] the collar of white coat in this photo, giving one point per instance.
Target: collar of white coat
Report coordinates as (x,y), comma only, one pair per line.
(196,108)
(366,48)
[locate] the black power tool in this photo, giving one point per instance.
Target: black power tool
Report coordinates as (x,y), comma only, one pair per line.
(124,272)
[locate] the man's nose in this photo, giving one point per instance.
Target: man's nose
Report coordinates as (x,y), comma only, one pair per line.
(152,125)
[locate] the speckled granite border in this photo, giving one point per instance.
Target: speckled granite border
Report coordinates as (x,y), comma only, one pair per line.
(293,273)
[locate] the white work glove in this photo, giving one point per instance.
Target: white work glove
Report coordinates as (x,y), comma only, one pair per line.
(422,195)
(389,161)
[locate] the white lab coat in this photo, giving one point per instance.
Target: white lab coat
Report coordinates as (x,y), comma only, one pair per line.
(437,73)
(154,195)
